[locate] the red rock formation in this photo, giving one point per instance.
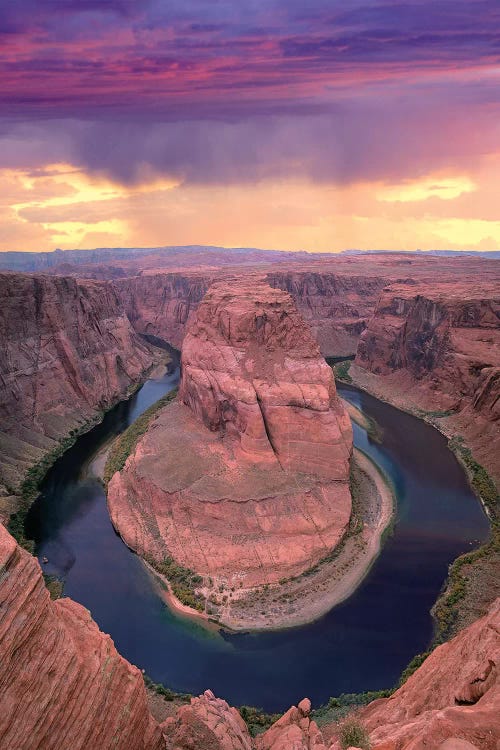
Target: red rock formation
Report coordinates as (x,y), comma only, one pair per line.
(245,479)
(160,304)
(68,351)
(437,348)
(454,694)
(337,306)
(208,723)
(293,731)
(63,686)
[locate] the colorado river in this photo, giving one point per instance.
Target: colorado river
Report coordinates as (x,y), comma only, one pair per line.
(362,644)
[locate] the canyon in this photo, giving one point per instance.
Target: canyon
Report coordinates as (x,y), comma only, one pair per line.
(425,335)
(68,353)
(436,348)
(63,685)
(245,479)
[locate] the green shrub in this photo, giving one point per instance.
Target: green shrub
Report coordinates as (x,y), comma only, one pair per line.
(183,581)
(256,719)
(353,734)
(341,371)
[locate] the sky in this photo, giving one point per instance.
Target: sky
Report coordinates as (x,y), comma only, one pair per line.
(289,124)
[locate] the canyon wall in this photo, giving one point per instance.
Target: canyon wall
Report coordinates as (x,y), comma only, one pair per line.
(336,306)
(245,479)
(68,352)
(160,304)
(437,348)
(63,686)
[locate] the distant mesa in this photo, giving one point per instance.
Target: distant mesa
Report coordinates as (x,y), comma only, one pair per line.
(244,479)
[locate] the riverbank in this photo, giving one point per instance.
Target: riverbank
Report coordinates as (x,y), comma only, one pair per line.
(15,506)
(473,582)
(308,597)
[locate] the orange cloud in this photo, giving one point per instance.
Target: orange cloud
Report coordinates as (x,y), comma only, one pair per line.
(62,206)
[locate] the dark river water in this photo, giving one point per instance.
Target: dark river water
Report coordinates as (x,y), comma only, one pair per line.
(362,644)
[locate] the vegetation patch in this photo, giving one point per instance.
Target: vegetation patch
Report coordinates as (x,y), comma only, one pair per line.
(353,734)
(54,585)
(165,693)
(256,719)
(126,442)
(183,581)
(341,371)
(339,707)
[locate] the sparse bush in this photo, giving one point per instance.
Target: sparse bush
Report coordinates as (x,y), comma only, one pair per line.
(353,734)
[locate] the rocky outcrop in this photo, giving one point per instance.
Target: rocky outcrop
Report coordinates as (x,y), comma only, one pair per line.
(437,348)
(454,694)
(208,723)
(245,479)
(68,352)
(63,686)
(293,731)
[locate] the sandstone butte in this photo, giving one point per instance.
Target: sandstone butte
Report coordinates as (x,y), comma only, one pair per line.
(64,686)
(245,478)
(436,347)
(68,352)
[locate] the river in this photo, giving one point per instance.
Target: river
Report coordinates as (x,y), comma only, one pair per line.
(362,644)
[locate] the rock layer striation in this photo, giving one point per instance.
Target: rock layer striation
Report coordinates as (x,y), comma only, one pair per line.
(437,348)
(62,683)
(68,352)
(245,478)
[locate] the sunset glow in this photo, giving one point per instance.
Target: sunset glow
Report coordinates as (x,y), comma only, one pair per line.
(321,127)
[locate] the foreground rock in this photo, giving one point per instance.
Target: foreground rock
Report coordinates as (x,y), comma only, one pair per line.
(63,686)
(436,348)
(245,479)
(68,352)
(454,694)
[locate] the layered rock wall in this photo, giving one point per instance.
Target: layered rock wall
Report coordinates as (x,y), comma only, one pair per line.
(160,304)
(437,348)
(63,686)
(245,479)
(336,306)
(68,351)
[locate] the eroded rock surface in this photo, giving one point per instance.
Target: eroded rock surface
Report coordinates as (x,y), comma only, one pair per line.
(68,352)
(209,723)
(245,479)
(437,348)
(63,686)
(455,694)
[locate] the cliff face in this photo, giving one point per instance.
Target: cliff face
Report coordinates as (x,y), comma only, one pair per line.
(62,683)
(455,693)
(437,348)
(245,479)
(68,351)
(160,304)
(336,306)
(251,368)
